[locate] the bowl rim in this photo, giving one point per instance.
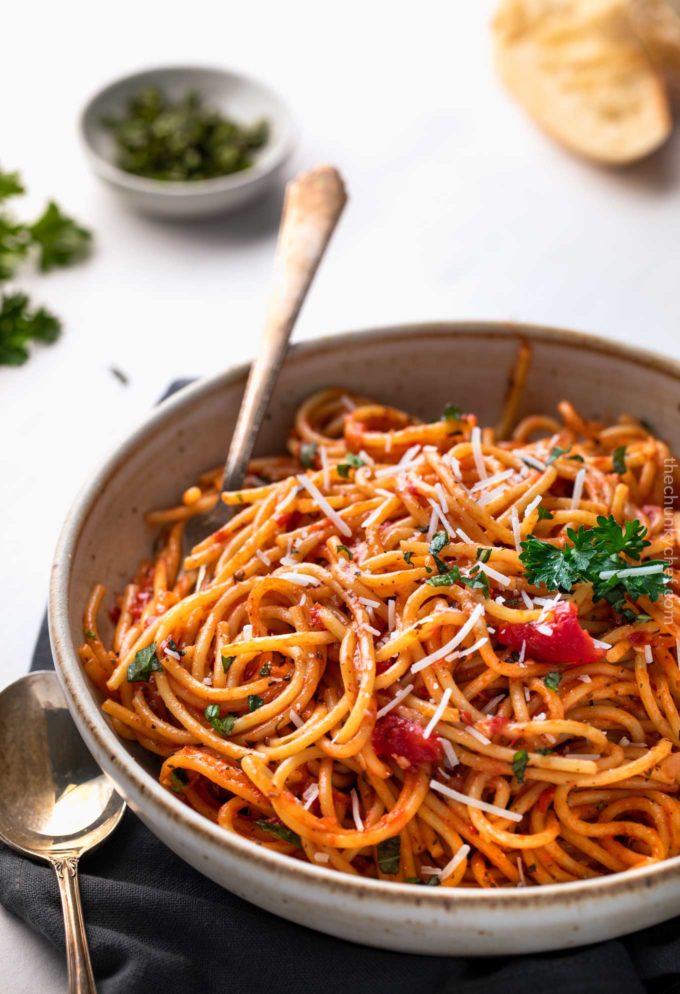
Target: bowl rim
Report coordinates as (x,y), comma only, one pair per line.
(189,188)
(148,791)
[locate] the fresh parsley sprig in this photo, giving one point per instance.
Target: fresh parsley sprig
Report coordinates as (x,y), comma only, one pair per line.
(601,556)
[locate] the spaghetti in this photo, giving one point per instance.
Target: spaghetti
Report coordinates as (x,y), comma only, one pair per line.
(368,679)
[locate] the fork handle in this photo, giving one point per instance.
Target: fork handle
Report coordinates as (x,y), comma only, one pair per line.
(312,205)
(80,978)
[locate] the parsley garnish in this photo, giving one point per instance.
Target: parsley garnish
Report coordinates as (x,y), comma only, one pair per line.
(576,458)
(483,555)
(592,552)
(222,725)
(555,453)
(227,661)
(181,138)
(275,828)
(89,634)
(178,780)
(389,853)
(439,540)
(475,581)
(254,702)
(144,664)
(53,240)
(408,556)
(519,764)
(307,454)
(544,514)
(619,460)
(171,644)
(351,462)
(544,752)
(347,552)
(552,680)
(452,413)
(265,669)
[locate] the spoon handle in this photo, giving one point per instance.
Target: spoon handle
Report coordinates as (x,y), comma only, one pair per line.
(80,979)
(312,206)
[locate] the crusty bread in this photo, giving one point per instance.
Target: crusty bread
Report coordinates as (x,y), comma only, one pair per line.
(580,71)
(657,24)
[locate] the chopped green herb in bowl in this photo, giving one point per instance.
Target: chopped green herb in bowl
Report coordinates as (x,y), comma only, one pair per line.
(181,140)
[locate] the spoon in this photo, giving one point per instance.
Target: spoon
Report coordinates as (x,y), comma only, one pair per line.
(56,802)
(313,203)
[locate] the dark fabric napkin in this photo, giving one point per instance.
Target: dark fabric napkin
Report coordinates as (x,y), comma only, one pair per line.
(155,924)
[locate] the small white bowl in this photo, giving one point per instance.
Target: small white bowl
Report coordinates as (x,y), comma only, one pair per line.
(235,95)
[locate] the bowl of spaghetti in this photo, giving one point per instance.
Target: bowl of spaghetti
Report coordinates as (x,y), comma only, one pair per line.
(427,695)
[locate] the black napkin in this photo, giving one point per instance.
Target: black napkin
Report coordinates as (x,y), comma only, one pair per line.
(154,923)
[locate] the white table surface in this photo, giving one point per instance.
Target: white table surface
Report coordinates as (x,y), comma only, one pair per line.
(459,208)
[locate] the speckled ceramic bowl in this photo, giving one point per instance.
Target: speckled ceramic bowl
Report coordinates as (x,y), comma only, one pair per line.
(419,367)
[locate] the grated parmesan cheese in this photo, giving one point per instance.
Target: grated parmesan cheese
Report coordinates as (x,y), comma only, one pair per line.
(473,802)
(441,708)
(302,579)
(578,487)
(451,644)
(398,697)
(477,454)
(331,514)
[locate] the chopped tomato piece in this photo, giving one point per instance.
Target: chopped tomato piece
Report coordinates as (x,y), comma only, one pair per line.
(399,737)
(496,723)
(114,614)
(557,640)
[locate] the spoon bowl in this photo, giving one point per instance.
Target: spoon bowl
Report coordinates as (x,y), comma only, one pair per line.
(57,803)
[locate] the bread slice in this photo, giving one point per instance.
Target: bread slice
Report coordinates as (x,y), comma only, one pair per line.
(657,25)
(578,68)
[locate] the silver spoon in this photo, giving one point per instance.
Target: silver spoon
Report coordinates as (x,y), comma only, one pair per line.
(56,802)
(312,206)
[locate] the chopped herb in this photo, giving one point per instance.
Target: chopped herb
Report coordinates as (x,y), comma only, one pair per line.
(634,618)
(59,239)
(120,375)
(423,528)
(552,680)
(434,881)
(171,644)
(576,458)
(181,139)
(347,552)
(619,460)
(477,580)
(281,831)
(544,514)
(445,579)
(439,540)
(351,462)
(227,661)
(544,752)
(592,552)
(254,702)
(514,656)
(178,780)
(408,557)
(222,725)
(389,853)
(412,880)
(266,669)
(308,454)
(519,764)
(89,634)
(555,453)
(19,325)
(483,555)
(452,413)
(144,664)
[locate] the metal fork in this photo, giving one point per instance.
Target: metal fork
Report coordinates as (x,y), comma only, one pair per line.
(312,206)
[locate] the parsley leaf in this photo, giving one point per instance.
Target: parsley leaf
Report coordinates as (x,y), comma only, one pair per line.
(347,552)
(222,725)
(452,413)
(60,240)
(266,669)
(545,752)
(483,555)
(10,185)
(144,664)
(254,702)
(281,831)
(307,454)
(389,853)
(408,556)
(544,514)
(227,661)
(178,780)
(439,540)
(594,551)
(351,462)
(552,680)
(619,460)
(20,325)
(519,764)
(555,453)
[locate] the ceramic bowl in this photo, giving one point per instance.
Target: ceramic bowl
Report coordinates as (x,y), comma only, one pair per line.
(237,96)
(418,367)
